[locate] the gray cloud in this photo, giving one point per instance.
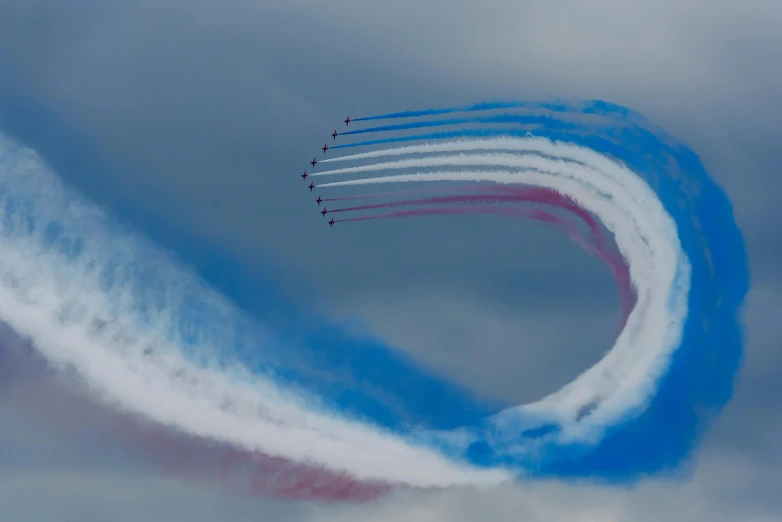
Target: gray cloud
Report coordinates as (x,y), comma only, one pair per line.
(724,487)
(205,112)
(209,112)
(129,497)
(517,354)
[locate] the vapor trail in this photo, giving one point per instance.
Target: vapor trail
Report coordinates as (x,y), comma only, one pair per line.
(588,107)
(529,145)
(659,271)
(436,112)
(148,336)
(127,319)
(596,245)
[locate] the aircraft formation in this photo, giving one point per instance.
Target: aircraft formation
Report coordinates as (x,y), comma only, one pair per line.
(314,162)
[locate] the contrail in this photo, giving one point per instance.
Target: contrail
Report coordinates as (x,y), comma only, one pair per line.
(564,158)
(435,112)
(116,311)
(646,237)
(327,414)
(392,193)
(531,213)
(590,106)
(517,119)
(504,143)
(596,245)
(529,161)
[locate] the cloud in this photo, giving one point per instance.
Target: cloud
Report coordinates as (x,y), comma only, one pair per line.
(752,420)
(518,354)
(205,111)
(102,495)
(725,487)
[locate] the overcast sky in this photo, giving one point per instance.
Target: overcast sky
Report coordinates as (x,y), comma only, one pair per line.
(198,116)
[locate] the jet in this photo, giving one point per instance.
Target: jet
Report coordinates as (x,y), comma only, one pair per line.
(325,147)
(314,161)
(334,134)
(304,176)
(312,186)
(347,121)
(319,200)
(324,211)
(331,223)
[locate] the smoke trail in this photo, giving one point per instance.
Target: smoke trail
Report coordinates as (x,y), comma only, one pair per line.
(596,245)
(530,161)
(656,262)
(461,133)
(148,336)
(29,385)
(531,213)
(581,172)
(393,193)
(517,119)
(151,338)
(585,107)
(533,195)
(436,112)
(503,141)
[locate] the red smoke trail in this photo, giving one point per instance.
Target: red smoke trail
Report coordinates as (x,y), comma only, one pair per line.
(248,472)
(596,245)
(493,194)
(531,213)
(392,193)
(55,399)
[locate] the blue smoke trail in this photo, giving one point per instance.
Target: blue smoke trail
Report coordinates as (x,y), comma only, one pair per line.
(555,106)
(549,121)
(365,371)
(367,379)
(462,133)
(700,379)
(435,112)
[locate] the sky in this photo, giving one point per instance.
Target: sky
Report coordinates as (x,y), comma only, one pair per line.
(193,120)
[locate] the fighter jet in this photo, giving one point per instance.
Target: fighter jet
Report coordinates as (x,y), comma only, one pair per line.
(325,147)
(314,161)
(324,211)
(319,200)
(312,186)
(304,176)
(347,121)
(331,223)
(334,134)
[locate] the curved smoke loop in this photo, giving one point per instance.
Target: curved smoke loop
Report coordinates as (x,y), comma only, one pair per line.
(148,336)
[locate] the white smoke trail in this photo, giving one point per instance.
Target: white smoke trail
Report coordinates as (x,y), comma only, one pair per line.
(531,144)
(621,384)
(84,300)
(464,160)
